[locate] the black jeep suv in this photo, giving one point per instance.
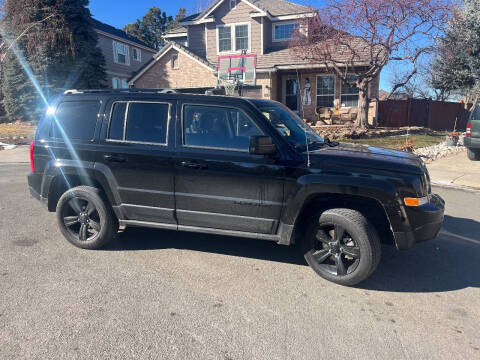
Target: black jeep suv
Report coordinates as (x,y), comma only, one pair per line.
(230,166)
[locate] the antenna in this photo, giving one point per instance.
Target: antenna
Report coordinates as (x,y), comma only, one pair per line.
(304,128)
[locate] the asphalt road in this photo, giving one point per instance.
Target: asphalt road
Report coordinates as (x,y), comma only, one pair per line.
(162,295)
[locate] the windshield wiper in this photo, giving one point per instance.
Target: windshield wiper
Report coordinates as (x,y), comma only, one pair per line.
(330,142)
(310,144)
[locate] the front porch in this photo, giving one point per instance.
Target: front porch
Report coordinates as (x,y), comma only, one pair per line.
(318,97)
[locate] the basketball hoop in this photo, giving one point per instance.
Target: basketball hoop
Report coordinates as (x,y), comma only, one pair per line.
(229,86)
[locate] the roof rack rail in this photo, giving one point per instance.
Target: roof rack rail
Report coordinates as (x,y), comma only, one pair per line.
(120,91)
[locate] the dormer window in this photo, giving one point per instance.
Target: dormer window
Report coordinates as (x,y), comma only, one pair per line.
(233,4)
(284,31)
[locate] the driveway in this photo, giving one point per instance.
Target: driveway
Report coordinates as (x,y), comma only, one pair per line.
(456,170)
(156,294)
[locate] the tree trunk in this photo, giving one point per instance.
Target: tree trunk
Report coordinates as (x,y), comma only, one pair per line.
(362,118)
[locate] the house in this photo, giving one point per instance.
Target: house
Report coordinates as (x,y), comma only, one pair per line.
(124,54)
(261,27)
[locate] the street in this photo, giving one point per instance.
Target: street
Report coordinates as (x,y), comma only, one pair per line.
(155,294)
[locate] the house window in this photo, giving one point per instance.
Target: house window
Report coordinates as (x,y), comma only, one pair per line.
(284,32)
(174,61)
(121,53)
(349,96)
(233,4)
(137,54)
(241,37)
(325,91)
(118,83)
(224,39)
(233,38)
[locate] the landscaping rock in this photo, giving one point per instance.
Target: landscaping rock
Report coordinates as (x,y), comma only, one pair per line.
(438,151)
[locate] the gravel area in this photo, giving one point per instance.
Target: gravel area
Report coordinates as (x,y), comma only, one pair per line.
(435,152)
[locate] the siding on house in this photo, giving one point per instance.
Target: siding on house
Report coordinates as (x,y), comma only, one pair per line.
(189,74)
(105,43)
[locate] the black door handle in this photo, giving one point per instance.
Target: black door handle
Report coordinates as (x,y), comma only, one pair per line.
(192,165)
(115,158)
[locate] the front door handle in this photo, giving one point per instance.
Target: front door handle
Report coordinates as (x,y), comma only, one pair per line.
(115,158)
(192,165)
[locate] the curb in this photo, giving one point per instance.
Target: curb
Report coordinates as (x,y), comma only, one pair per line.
(449,185)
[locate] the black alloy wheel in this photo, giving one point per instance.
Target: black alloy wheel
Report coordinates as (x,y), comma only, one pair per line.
(81,218)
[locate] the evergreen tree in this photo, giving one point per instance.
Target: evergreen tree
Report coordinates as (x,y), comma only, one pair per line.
(61,51)
(154,24)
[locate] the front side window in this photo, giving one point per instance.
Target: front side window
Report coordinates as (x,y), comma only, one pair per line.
(288,124)
(147,122)
(75,120)
(349,92)
(224,39)
(241,37)
(121,53)
(325,91)
(284,32)
(217,128)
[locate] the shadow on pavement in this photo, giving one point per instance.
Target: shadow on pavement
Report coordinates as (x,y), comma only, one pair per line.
(450,262)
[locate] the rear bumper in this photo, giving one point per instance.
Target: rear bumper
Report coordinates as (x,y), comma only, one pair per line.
(425,223)
(472,142)
(33,185)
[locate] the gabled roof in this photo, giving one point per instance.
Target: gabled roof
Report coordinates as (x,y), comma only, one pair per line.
(169,46)
(270,8)
(117,33)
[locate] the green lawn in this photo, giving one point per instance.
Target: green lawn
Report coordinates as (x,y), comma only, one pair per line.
(397,142)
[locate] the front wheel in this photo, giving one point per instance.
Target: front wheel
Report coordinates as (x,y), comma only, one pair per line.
(473,155)
(85,218)
(342,246)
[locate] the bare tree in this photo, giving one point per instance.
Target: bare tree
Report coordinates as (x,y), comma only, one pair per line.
(361,36)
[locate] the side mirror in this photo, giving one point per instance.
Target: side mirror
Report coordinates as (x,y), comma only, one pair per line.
(262,145)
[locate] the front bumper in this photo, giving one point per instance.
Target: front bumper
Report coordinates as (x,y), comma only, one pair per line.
(424,223)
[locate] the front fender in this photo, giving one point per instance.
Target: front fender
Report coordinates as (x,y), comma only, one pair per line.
(314,185)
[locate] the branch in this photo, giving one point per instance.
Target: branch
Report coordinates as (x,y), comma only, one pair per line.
(11,44)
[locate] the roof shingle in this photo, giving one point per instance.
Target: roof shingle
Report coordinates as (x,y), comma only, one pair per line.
(117,32)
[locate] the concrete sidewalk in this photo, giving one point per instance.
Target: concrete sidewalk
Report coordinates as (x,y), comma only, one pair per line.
(456,170)
(20,154)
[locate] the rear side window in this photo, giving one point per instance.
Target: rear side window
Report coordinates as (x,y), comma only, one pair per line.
(117,122)
(76,120)
(147,122)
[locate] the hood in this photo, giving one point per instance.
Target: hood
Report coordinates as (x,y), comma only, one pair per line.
(356,155)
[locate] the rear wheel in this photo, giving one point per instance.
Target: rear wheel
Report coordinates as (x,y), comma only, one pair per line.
(473,155)
(85,218)
(342,246)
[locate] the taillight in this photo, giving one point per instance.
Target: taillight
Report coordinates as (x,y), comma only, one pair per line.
(469,130)
(32,166)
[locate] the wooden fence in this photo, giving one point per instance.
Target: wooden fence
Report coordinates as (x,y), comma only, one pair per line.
(435,115)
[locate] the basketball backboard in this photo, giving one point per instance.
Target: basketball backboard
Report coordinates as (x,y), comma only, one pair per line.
(240,69)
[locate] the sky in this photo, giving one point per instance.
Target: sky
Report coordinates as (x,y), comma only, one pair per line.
(118,13)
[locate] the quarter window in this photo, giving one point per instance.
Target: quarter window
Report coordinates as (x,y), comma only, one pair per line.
(349,92)
(75,120)
(325,91)
(283,32)
(117,121)
(217,127)
(147,122)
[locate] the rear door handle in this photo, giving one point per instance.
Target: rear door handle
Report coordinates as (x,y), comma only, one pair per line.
(192,165)
(115,158)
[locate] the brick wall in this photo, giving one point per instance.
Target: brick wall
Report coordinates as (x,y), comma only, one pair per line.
(189,74)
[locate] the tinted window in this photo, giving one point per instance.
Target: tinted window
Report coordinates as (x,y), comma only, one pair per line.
(217,127)
(147,122)
(77,119)
(117,122)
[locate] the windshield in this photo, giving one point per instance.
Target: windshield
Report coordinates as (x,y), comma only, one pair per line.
(288,124)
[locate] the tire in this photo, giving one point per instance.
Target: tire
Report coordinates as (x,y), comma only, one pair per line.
(85,218)
(342,246)
(473,155)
